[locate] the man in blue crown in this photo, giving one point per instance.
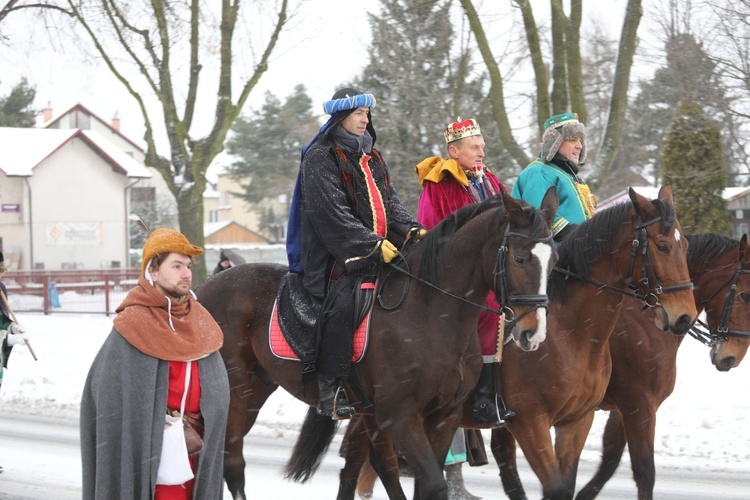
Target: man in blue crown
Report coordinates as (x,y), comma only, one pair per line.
(345,219)
(563,153)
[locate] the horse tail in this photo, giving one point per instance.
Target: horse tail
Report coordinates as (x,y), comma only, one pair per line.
(313,441)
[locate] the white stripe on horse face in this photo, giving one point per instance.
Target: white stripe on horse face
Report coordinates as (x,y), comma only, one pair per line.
(677,235)
(543,252)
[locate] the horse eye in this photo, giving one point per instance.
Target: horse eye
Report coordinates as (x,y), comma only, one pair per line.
(519,260)
(662,248)
(745,297)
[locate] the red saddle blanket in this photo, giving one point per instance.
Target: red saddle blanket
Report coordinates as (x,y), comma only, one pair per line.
(281,348)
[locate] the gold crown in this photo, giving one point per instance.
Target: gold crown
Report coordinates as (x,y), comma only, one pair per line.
(460,129)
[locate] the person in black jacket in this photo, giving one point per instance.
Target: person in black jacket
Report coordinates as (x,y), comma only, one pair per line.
(223,264)
(345,219)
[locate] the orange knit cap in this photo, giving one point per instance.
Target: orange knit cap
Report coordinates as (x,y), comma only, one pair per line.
(165,240)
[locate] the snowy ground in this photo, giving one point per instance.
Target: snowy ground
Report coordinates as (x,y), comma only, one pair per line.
(705,425)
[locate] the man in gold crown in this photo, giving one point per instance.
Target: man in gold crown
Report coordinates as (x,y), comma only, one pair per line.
(563,153)
(447,185)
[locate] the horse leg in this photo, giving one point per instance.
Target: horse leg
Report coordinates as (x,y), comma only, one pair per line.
(533,436)
(503,447)
(613,445)
(383,458)
(425,455)
(640,428)
(569,441)
(354,449)
(366,482)
(246,399)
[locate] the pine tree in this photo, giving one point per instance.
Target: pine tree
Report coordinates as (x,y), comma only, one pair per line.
(422,77)
(694,168)
(689,75)
(16,108)
(267,146)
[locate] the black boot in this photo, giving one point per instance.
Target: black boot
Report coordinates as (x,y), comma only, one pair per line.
(484,399)
(332,400)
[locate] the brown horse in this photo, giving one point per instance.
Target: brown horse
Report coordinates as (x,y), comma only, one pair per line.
(562,382)
(424,356)
(720,269)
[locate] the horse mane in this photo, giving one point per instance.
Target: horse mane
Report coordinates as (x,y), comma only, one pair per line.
(707,247)
(436,240)
(593,238)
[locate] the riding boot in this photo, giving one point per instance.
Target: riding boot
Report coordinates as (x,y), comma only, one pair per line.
(456,486)
(332,400)
(484,399)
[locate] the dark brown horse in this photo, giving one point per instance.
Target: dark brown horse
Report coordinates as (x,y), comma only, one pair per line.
(424,356)
(720,269)
(630,246)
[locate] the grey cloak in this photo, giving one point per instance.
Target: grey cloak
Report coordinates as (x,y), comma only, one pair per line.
(122,423)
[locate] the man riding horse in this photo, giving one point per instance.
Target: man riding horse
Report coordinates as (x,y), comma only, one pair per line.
(345,218)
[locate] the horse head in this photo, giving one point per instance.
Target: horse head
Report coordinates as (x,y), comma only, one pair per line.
(524,263)
(730,310)
(662,278)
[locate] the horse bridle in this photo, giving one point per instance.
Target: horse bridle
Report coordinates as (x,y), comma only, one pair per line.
(712,336)
(505,298)
(651,297)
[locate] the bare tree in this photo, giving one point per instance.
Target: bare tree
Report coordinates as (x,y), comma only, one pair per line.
(567,72)
(165,41)
(731,53)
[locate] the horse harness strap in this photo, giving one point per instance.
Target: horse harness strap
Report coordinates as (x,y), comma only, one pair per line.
(536,301)
(722,332)
(647,269)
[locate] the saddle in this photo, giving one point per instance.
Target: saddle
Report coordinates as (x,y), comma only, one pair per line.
(293,327)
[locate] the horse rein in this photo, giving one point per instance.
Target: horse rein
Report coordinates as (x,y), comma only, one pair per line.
(713,336)
(651,297)
(506,299)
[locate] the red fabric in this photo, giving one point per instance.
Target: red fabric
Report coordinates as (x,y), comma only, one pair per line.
(281,348)
(438,201)
(379,224)
(177,371)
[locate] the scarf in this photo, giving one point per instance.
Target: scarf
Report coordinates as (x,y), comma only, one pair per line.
(352,142)
(156,326)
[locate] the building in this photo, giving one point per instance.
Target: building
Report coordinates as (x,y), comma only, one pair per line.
(221,204)
(64,198)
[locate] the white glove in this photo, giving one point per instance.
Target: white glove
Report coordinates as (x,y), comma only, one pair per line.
(17,339)
(16,329)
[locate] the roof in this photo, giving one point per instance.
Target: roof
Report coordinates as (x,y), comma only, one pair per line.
(651,192)
(87,111)
(25,148)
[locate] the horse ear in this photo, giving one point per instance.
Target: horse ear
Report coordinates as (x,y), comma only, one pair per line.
(510,206)
(665,193)
(643,206)
(549,206)
(743,247)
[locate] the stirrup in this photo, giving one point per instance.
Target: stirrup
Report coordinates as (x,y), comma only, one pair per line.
(343,412)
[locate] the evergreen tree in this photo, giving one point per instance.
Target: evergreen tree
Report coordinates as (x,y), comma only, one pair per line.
(16,109)
(693,166)
(689,75)
(421,74)
(267,146)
